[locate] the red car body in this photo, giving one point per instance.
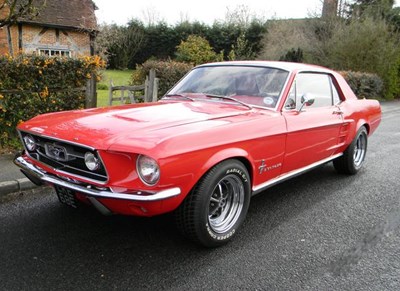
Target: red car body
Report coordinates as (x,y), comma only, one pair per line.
(187,135)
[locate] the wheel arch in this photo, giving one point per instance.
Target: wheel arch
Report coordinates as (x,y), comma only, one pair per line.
(366,125)
(359,125)
(229,154)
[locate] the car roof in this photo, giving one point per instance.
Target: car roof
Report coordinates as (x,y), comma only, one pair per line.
(287,66)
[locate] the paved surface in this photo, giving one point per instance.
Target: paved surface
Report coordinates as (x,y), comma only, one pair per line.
(319,231)
(11,178)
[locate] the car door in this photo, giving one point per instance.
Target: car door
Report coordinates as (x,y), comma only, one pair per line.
(312,131)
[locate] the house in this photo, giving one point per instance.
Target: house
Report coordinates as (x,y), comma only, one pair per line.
(61,28)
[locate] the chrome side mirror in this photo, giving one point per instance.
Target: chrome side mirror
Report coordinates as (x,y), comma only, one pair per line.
(306,100)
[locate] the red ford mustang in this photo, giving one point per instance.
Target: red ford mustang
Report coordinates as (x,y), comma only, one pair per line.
(225,132)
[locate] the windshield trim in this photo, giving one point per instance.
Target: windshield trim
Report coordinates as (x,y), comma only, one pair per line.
(240,65)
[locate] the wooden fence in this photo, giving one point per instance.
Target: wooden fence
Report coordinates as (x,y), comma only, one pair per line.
(148,92)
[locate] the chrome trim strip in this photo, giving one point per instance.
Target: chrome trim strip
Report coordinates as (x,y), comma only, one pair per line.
(72,144)
(58,139)
(272,182)
(142,196)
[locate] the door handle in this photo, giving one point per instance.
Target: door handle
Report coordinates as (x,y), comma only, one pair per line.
(337,112)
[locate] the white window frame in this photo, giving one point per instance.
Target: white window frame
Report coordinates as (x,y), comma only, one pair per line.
(54,52)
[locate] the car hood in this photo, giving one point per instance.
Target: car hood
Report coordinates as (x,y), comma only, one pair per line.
(139,125)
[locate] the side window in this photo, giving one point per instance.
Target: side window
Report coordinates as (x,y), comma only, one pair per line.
(317,86)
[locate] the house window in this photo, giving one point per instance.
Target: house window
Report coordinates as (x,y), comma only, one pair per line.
(54,53)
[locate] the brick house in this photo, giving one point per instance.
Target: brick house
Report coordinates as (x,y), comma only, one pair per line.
(63,27)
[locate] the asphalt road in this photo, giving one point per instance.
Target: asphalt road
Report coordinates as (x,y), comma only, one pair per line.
(319,231)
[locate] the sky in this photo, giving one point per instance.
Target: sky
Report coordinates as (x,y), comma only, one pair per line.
(207,11)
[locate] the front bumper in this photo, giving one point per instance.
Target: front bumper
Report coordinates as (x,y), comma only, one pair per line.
(37,175)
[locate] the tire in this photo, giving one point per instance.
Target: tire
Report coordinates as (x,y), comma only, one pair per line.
(353,157)
(216,207)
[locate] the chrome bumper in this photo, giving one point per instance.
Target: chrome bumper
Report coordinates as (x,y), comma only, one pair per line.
(143,196)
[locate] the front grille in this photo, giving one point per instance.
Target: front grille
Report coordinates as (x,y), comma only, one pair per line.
(65,157)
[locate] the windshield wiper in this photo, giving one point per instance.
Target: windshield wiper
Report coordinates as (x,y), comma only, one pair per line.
(178,95)
(228,98)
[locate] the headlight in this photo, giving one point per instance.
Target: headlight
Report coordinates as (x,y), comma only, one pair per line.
(91,161)
(30,142)
(148,169)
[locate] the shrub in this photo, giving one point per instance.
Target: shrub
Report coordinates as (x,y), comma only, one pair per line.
(31,85)
(101,86)
(168,72)
(197,50)
(364,85)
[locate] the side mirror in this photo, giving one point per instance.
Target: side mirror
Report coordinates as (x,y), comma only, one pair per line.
(306,100)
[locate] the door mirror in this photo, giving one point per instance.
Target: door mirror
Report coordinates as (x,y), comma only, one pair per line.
(306,100)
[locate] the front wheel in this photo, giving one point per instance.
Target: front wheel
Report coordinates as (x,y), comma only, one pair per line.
(217,206)
(353,157)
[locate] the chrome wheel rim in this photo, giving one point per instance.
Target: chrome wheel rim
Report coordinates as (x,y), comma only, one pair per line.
(360,150)
(226,204)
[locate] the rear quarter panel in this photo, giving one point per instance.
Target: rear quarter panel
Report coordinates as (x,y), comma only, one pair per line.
(358,113)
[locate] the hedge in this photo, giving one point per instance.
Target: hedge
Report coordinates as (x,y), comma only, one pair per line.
(365,85)
(32,85)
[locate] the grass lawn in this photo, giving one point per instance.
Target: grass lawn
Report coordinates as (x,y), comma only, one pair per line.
(118,78)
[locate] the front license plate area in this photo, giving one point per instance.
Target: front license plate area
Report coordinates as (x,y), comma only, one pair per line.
(66,196)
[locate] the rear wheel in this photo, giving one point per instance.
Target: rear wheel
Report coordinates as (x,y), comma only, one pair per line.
(354,156)
(217,206)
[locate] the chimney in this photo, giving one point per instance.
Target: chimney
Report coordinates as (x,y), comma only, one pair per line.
(330,8)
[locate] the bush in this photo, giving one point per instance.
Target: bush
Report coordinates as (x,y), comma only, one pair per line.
(197,50)
(32,85)
(168,72)
(364,85)
(101,86)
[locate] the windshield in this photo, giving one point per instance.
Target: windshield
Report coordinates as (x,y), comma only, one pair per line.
(258,86)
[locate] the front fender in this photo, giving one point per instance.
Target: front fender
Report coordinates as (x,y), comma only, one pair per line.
(226,154)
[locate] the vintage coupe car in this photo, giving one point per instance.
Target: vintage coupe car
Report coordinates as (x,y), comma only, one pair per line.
(223,133)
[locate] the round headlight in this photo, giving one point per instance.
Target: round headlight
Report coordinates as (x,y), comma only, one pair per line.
(30,143)
(91,161)
(148,169)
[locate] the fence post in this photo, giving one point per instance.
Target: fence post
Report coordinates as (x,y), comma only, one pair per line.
(146,88)
(91,93)
(155,90)
(110,93)
(152,76)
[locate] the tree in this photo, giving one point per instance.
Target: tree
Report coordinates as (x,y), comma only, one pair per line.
(284,35)
(293,55)
(365,45)
(119,44)
(241,50)
(377,9)
(358,44)
(12,10)
(196,50)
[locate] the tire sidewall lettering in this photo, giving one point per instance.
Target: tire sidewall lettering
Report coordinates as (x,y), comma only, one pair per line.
(239,173)
(220,237)
(227,235)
